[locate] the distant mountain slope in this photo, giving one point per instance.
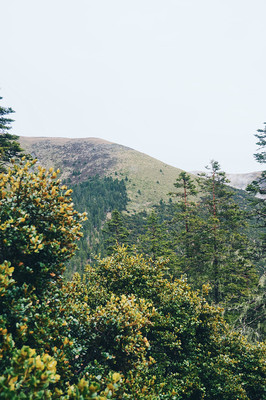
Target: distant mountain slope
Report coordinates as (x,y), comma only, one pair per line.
(238,181)
(147,179)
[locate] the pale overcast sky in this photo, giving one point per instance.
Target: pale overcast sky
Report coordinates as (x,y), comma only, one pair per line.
(181,80)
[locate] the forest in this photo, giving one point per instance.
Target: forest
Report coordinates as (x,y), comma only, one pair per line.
(98,303)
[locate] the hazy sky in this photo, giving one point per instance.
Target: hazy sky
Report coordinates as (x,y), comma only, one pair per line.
(181,80)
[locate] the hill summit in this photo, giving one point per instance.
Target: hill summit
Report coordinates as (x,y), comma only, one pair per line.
(147,179)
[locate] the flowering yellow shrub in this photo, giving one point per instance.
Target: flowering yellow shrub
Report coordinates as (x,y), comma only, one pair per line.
(38,224)
(6,272)
(29,375)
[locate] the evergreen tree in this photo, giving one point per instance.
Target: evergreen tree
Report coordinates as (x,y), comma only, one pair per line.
(9,146)
(188,189)
(260,156)
(252,319)
(97,196)
(188,231)
(115,231)
(258,187)
(229,267)
(155,242)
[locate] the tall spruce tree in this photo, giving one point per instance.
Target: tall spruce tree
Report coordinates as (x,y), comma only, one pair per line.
(260,156)
(229,267)
(188,189)
(115,232)
(9,146)
(252,320)
(258,187)
(156,242)
(188,231)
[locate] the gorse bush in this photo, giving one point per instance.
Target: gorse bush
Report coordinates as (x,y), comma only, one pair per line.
(124,330)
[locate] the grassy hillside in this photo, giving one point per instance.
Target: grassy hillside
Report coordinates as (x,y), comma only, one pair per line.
(147,179)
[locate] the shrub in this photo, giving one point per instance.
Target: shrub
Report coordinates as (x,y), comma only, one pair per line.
(38,224)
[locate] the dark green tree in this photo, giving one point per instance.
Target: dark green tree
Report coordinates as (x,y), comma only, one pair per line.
(260,156)
(229,267)
(97,196)
(188,232)
(188,189)
(115,231)
(252,320)
(258,187)
(155,242)
(9,146)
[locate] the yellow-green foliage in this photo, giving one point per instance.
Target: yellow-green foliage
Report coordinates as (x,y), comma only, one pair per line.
(29,375)
(195,353)
(5,277)
(125,330)
(101,388)
(38,224)
(120,323)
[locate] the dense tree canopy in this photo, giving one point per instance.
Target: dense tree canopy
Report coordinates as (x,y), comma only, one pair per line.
(229,252)
(252,316)
(195,354)
(125,330)
(114,231)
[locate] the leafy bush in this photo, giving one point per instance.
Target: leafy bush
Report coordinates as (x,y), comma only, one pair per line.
(125,330)
(39,226)
(195,353)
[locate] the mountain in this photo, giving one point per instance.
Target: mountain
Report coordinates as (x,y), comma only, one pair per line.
(147,180)
(105,176)
(239,181)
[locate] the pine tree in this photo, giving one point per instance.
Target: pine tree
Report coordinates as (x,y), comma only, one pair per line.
(260,156)
(251,318)
(188,231)
(155,242)
(115,232)
(258,187)
(188,187)
(230,269)
(9,146)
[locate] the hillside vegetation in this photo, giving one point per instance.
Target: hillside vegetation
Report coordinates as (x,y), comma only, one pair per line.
(125,330)
(165,299)
(147,180)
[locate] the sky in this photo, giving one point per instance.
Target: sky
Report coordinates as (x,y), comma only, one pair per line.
(181,80)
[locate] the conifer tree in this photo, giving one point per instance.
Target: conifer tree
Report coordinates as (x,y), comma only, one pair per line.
(229,267)
(251,318)
(258,187)
(188,231)
(155,242)
(9,146)
(188,189)
(115,231)
(260,156)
